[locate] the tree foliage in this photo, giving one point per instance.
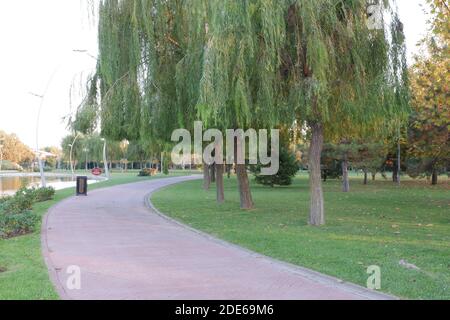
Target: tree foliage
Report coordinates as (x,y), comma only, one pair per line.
(15,150)
(430,122)
(252,63)
(289,167)
(246,63)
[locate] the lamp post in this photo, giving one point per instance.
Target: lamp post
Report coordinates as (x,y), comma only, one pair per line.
(399,158)
(41,166)
(42,97)
(86,52)
(70,159)
(86,152)
(1,154)
(104,159)
(70,156)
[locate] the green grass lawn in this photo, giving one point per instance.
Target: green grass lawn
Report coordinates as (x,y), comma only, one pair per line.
(26,276)
(379,224)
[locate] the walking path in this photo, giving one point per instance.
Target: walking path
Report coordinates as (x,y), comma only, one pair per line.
(126,250)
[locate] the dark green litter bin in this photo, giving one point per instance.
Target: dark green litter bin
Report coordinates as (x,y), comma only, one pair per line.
(82,186)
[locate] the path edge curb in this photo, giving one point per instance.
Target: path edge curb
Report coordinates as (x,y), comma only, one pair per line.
(46,254)
(286,266)
(305,272)
(46,250)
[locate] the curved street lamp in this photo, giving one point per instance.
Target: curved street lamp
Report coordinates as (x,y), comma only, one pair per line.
(86,52)
(38,155)
(104,159)
(71,152)
(86,150)
(1,152)
(42,97)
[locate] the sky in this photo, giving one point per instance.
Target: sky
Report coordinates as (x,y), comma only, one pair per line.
(38,39)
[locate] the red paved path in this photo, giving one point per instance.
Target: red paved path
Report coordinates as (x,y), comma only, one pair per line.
(127,251)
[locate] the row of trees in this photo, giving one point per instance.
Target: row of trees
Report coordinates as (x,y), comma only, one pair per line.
(87,152)
(428,136)
(316,66)
(421,146)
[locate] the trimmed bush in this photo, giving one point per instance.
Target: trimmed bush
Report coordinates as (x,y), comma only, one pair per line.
(15,216)
(166,168)
(10,166)
(4,199)
(37,194)
(288,169)
(12,225)
(46,169)
(145,173)
(18,204)
(148,172)
(44,194)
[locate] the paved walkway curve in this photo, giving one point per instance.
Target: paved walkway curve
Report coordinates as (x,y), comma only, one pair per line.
(126,250)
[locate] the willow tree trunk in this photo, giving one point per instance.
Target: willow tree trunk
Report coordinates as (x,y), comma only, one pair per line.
(317,212)
(345,181)
(241,172)
(219,183)
(395,174)
(213,173)
(244,187)
(374,176)
(206,177)
(365,177)
(434,177)
(228,167)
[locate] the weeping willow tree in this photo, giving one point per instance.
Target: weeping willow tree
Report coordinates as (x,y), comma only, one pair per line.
(340,76)
(164,64)
(245,64)
(384,102)
(239,87)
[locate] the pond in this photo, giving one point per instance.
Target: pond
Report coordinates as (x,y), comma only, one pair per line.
(9,185)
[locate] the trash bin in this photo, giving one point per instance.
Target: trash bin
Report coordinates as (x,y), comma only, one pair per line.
(82,186)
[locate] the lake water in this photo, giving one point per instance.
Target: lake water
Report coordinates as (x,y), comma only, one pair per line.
(9,185)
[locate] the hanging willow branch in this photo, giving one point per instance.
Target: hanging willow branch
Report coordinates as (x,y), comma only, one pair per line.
(253,63)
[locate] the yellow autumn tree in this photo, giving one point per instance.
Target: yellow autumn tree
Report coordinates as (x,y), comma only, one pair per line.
(430,79)
(14,150)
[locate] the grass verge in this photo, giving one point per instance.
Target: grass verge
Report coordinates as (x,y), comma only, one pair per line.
(378,224)
(23,274)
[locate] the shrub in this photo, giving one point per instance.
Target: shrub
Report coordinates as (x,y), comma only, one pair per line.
(4,199)
(166,168)
(44,194)
(145,173)
(26,192)
(37,194)
(331,169)
(18,204)
(10,166)
(148,172)
(46,169)
(12,225)
(15,216)
(289,167)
